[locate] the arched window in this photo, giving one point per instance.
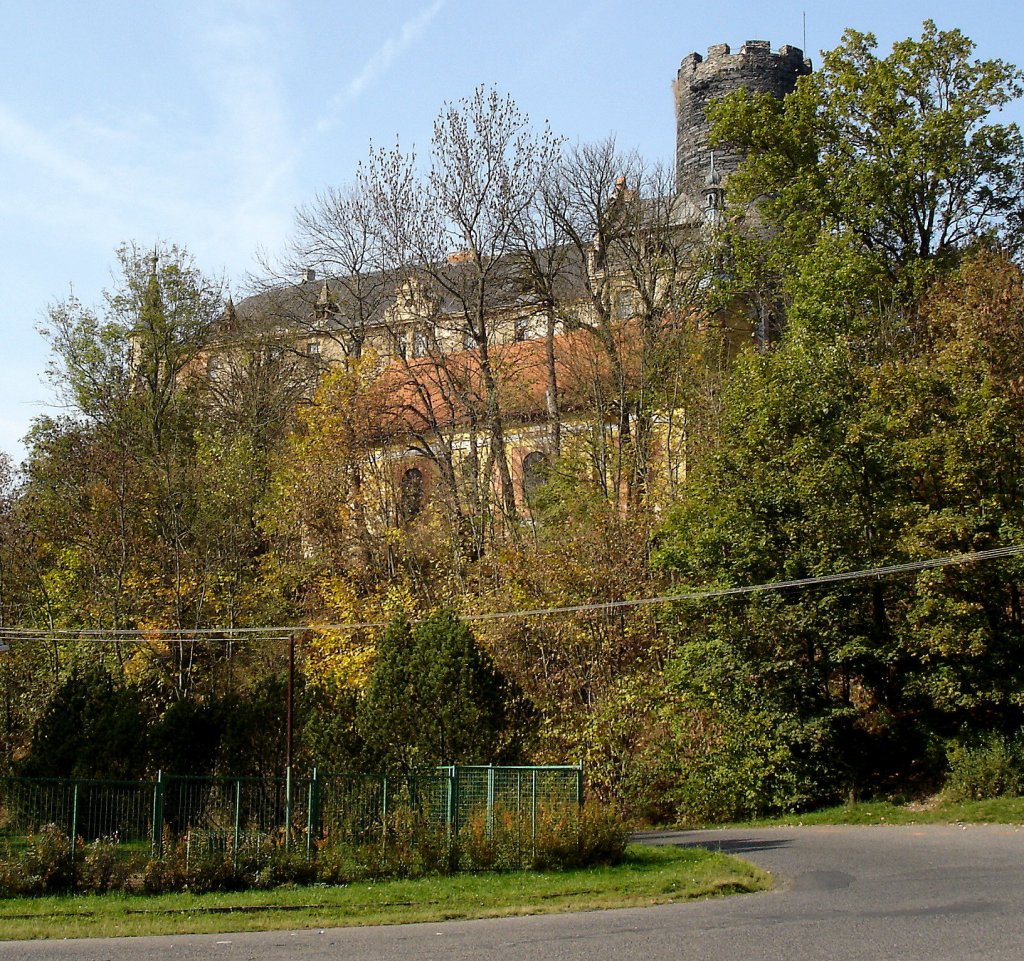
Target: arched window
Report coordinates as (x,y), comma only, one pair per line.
(534,473)
(410,493)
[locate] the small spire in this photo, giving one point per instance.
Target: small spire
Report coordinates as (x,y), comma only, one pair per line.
(714,178)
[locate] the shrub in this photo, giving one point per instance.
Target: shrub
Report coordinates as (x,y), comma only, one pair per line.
(101,867)
(409,846)
(575,838)
(989,767)
(49,862)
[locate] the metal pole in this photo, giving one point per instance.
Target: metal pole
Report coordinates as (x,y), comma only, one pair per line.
(238,822)
(290,719)
(490,800)
(287,807)
(533,812)
(289,740)
(384,818)
(74,818)
(158,815)
(450,806)
(312,814)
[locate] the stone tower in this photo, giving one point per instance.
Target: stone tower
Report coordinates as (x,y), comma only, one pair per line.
(701,81)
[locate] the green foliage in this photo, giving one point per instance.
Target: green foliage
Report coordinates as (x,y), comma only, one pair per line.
(988,766)
(841,455)
(735,748)
(92,727)
(329,734)
(239,732)
(48,862)
(894,161)
(434,697)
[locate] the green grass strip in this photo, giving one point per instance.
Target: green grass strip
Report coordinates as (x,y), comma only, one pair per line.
(647,876)
(1001,810)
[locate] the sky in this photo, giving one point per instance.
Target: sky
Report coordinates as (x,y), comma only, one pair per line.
(206,123)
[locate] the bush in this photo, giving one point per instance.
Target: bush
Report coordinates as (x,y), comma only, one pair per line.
(49,862)
(566,839)
(989,767)
(101,867)
(410,846)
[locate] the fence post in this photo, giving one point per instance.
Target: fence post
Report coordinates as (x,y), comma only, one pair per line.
(287,806)
(490,800)
(238,823)
(74,817)
(312,813)
(533,813)
(158,815)
(579,784)
(449,808)
(519,818)
(384,817)
(455,800)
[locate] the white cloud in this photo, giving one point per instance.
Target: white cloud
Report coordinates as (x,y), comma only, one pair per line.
(380,61)
(24,142)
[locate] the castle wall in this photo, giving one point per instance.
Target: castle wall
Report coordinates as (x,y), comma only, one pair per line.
(701,81)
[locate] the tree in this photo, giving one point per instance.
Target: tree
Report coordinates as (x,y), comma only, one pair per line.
(131,357)
(92,727)
(836,457)
(423,252)
(894,160)
(632,285)
(434,697)
(145,502)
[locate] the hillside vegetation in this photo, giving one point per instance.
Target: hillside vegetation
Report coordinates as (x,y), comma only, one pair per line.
(874,419)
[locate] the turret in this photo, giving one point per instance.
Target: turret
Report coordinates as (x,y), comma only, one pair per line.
(701,81)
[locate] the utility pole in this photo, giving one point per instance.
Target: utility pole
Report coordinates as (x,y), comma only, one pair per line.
(288,742)
(290,705)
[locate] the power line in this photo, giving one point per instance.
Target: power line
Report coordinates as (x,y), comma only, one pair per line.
(283,633)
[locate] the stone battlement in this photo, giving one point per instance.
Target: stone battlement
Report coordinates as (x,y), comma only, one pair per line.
(721,57)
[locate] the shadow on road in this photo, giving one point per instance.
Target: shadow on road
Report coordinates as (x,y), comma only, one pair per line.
(727,846)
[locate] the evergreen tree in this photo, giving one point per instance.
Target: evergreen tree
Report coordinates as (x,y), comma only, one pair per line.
(434,697)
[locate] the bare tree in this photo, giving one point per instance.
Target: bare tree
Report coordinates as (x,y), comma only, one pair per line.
(456,230)
(641,256)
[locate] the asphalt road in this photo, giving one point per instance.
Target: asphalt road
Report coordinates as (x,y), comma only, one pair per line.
(845,894)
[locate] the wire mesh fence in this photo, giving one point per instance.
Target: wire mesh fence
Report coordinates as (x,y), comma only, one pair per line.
(310,813)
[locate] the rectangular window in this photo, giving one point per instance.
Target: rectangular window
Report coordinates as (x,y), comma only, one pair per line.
(624,305)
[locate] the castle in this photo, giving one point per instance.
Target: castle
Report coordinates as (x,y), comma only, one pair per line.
(450,365)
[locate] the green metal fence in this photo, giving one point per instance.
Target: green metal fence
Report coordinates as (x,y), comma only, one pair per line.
(308,813)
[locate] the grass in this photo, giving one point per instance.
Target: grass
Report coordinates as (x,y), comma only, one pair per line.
(647,876)
(1001,810)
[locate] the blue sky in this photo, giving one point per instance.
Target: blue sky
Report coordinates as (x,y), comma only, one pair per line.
(206,123)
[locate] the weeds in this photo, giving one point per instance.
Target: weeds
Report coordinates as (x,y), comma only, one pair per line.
(409,846)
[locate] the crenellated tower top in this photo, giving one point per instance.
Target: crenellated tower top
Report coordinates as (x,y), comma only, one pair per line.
(702,80)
